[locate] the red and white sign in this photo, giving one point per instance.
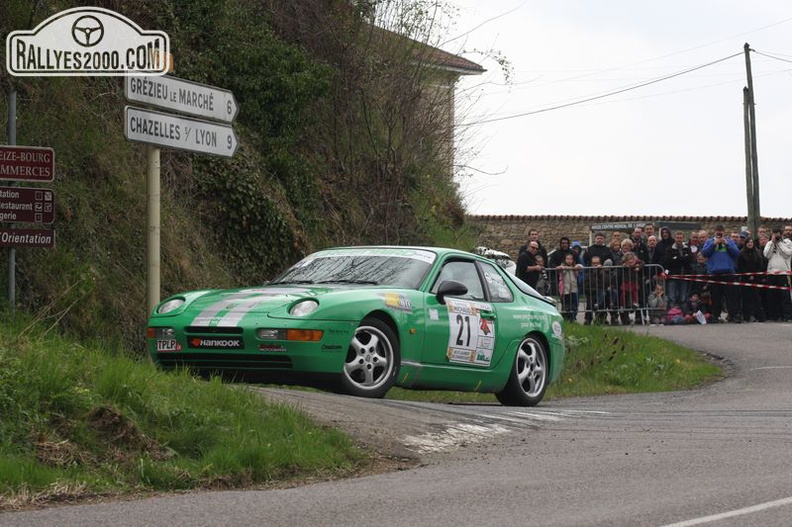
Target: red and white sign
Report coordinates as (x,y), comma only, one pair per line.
(27,163)
(27,205)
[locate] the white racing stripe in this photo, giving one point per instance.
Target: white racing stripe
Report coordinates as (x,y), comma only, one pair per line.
(238,311)
(732,514)
(206,316)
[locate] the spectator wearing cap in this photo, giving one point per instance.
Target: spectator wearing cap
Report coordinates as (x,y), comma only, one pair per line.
(738,238)
(722,253)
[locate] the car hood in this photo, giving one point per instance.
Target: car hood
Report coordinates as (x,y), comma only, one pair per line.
(228,307)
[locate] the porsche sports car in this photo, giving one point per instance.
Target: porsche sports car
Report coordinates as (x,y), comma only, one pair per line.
(362,319)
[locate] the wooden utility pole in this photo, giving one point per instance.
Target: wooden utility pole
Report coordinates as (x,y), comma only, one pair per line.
(754,214)
(748,163)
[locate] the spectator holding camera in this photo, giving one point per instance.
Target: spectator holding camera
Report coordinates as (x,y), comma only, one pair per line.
(778,252)
(678,261)
(722,253)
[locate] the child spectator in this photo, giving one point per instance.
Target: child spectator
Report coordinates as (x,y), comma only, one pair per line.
(699,268)
(696,309)
(658,305)
(568,286)
(629,286)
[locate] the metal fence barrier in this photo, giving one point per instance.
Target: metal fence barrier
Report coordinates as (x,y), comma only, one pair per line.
(615,295)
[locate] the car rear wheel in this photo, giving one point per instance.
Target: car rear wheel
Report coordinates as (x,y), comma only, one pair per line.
(528,379)
(372,360)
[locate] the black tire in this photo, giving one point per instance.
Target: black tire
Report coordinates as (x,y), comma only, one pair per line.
(372,361)
(529,375)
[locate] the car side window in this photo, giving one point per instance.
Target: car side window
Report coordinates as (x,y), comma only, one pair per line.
(464,273)
(496,285)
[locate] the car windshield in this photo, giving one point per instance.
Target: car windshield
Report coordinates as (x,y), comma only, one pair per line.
(394,267)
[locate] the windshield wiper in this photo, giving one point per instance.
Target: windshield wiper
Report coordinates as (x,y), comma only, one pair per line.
(348,281)
(293,282)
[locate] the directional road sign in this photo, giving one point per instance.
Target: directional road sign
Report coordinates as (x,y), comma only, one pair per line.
(27,163)
(27,205)
(27,238)
(182,96)
(183,133)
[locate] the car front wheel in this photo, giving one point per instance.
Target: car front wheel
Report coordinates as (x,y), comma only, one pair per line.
(372,360)
(528,379)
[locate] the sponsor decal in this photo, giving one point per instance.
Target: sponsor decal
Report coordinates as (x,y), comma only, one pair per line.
(434,314)
(557,329)
(215,343)
(328,347)
(397,301)
(471,337)
(273,348)
(87,41)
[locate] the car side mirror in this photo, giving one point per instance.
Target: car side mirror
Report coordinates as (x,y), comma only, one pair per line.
(450,288)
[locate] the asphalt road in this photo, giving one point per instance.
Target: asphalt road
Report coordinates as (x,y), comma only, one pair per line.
(717,456)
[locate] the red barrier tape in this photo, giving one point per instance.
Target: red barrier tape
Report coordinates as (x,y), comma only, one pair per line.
(696,278)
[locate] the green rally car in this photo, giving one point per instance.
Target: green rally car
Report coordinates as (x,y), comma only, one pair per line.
(361,319)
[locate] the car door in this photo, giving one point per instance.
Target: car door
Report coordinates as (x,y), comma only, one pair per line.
(461,331)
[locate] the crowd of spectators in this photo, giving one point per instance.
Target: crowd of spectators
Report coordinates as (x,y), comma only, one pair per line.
(666,277)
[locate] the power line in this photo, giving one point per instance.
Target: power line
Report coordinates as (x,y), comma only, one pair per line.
(771,56)
(601,96)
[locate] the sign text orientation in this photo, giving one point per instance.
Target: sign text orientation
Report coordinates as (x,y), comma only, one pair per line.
(27,238)
(182,96)
(183,133)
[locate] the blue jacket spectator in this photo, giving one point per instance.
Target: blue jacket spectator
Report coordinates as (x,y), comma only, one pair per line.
(721,254)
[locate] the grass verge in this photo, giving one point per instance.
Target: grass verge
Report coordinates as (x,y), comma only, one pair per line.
(602,361)
(77,422)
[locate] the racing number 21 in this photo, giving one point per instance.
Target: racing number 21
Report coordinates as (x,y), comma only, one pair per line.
(464,324)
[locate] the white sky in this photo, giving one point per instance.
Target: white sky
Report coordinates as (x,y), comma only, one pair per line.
(672,148)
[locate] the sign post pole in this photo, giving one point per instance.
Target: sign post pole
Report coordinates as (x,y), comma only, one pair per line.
(153,214)
(12,250)
(210,133)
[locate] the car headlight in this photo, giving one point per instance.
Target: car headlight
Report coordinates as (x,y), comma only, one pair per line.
(306,307)
(170,305)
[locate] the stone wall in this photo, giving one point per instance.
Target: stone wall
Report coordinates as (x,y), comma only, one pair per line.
(508,233)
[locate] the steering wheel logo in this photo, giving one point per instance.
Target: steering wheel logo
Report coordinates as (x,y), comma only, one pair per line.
(87,31)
